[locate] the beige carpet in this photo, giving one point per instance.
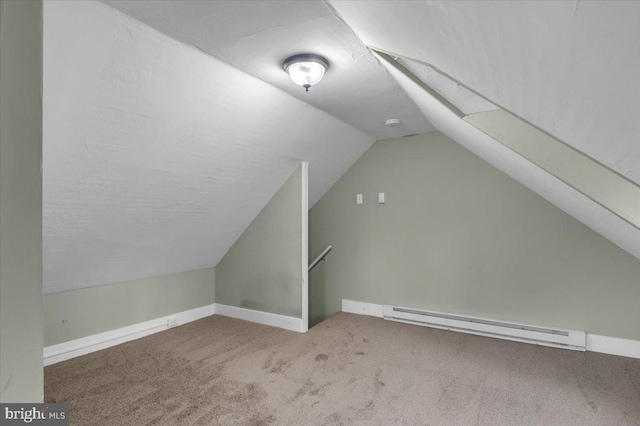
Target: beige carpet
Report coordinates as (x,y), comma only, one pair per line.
(347,370)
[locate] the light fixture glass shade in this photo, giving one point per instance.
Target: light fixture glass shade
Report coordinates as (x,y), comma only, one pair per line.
(306,70)
(306,73)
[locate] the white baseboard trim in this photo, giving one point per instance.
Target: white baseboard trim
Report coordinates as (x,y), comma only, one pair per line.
(362,308)
(85,345)
(274,320)
(595,343)
(613,345)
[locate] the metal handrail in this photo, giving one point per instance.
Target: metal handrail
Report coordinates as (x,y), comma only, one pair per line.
(320,257)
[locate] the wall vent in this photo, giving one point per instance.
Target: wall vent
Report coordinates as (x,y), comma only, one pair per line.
(559,338)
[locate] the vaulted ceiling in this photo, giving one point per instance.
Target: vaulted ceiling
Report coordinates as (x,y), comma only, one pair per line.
(168,125)
(570,68)
(157,156)
(257,36)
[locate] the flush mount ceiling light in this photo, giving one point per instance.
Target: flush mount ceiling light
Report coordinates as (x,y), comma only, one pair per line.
(306,69)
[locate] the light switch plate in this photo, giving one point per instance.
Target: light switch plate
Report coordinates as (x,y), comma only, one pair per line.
(381,198)
(359,199)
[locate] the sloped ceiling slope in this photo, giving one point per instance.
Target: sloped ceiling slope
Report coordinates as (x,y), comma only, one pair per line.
(257,36)
(570,68)
(535,52)
(592,214)
(158,156)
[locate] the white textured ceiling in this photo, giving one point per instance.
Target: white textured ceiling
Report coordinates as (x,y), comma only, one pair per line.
(158,156)
(570,68)
(257,36)
(462,98)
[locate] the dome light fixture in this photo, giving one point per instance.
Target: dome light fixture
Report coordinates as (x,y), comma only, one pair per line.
(306,69)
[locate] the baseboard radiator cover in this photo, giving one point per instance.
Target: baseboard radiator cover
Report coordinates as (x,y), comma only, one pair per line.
(555,337)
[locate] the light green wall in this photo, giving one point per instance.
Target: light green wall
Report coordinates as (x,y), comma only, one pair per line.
(21,372)
(262,270)
(458,235)
(69,315)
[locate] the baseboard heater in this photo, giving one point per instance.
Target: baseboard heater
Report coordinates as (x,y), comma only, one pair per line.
(560,338)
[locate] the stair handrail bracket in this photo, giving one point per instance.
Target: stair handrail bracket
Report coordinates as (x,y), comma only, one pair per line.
(320,257)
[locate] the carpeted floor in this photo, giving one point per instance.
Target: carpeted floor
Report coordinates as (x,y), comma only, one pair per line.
(349,369)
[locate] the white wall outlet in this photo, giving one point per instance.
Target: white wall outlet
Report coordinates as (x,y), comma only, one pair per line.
(359,199)
(172,322)
(381,198)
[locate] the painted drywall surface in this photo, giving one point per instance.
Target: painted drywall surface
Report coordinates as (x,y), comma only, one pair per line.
(262,270)
(457,235)
(257,37)
(21,372)
(157,156)
(569,68)
(527,173)
(464,99)
(612,191)
(73,314)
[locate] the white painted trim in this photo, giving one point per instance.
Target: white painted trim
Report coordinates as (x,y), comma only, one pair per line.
(594,342)
(266,318)
(305,246)
(85,345)
(362,308)
(613,345)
